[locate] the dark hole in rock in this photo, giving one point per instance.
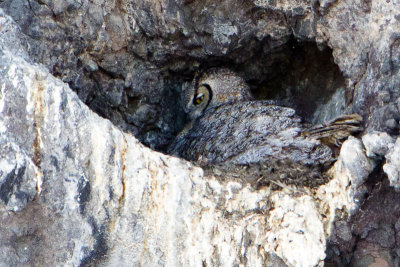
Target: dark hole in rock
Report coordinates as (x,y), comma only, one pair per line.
(297,74)
(306,79)
(371,228)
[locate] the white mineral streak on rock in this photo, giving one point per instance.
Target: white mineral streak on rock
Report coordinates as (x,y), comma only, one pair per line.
(2,97)
(392,166)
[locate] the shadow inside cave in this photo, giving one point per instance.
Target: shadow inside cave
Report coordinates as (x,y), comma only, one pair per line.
(301,75)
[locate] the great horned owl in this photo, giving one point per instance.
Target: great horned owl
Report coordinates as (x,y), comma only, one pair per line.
(228,125)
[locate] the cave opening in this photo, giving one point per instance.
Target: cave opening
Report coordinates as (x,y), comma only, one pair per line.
(300,75)
(303,76)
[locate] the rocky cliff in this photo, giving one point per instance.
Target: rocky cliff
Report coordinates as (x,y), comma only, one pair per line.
(80,189)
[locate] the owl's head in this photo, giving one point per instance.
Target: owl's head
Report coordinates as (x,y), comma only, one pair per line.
(213,88)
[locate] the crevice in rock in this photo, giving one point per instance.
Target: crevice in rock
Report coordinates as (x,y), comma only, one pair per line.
(121,199)
(11,183)
(84,190)
(373,228)
(304,77)
(38,120)
(100,248)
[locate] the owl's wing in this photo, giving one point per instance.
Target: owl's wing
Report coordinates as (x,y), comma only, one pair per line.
(245,131)
(273,132)
(255,131)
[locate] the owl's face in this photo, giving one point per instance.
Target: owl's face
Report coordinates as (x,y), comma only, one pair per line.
(214,88)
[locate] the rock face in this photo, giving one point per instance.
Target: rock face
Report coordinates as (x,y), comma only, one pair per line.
(77,190)
(128,59)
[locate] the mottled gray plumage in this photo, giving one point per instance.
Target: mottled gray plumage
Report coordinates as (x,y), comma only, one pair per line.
(229,126)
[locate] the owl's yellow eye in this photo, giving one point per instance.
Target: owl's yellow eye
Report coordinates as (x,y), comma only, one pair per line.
(198,99)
